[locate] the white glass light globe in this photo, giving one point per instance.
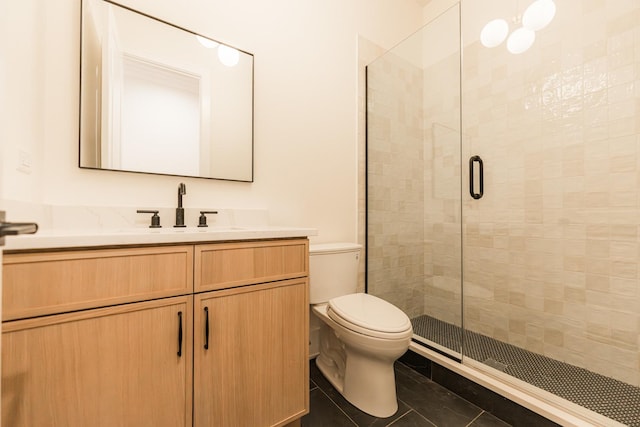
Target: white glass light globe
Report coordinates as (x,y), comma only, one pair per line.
(520,40)
(208,43)
(494,33)
(228,55)
(538,15)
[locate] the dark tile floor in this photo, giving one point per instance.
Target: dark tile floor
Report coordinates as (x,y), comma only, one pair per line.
(421,402)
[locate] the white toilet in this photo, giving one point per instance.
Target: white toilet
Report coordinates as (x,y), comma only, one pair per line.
(361,336)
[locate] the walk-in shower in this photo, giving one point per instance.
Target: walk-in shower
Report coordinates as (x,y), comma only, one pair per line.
(503,197)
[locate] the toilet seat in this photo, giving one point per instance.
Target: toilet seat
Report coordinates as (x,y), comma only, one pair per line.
(369,315)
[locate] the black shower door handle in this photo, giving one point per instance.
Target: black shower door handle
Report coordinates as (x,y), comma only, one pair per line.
(472,161)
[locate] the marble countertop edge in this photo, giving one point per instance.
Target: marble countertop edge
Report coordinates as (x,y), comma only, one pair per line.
(58,239)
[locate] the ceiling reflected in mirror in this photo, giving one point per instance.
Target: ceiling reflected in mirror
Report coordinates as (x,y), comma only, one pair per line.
(172,102)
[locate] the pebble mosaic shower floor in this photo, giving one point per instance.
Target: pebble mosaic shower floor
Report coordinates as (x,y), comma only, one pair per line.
(609,397)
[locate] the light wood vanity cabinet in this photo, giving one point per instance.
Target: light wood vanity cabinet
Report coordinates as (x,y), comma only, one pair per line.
(253,341)
(66,363)
(116,366)
(40,283)
(227,265)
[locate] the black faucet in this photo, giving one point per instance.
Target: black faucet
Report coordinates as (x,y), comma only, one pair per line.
(182,190)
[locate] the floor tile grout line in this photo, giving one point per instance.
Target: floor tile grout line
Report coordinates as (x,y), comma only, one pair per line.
(399,418)
(405,414)
(408,410)
(411,408)
(477,416)
(482,411)
(338,406)
(452,392)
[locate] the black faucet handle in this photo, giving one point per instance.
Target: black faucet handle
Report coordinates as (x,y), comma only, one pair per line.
(155,218)
(182,190)
(202,222)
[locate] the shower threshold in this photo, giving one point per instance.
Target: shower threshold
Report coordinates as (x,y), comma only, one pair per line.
(609,397)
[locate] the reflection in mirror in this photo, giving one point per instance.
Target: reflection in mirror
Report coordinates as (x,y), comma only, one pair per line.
(159,99)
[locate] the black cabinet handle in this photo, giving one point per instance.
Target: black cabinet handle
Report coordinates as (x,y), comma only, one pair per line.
(472,161)
(206,328)
(179,334)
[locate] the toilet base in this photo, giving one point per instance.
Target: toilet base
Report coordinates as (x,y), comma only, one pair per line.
(374,394)
(360,367)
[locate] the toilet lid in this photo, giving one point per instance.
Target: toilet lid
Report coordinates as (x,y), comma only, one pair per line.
(369,312)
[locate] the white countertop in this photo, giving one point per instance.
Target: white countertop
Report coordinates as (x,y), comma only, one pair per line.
(50,239)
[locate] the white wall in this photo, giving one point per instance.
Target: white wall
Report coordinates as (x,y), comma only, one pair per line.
(434,8)
(21,91)
(305,106)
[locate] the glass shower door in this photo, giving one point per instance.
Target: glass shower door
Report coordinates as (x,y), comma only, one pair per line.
(551,240)
(414,183)
(551,250)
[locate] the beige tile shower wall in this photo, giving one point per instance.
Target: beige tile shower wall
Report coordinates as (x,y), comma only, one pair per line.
(442,190)
(395,186)
(551,252)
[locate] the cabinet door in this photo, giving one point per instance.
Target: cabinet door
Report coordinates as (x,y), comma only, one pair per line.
(127,365)
(252,369)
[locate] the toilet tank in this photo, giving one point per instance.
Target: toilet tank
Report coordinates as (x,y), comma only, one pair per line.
(333,270)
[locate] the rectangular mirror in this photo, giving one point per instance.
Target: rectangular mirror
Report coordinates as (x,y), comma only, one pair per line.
(156,98)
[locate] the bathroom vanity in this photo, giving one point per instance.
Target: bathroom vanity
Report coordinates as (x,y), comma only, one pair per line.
(200,329)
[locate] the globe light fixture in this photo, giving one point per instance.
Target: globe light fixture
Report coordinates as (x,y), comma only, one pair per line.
(539,14)
(520,40)
(208,43)
(494,33)
(228,55)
